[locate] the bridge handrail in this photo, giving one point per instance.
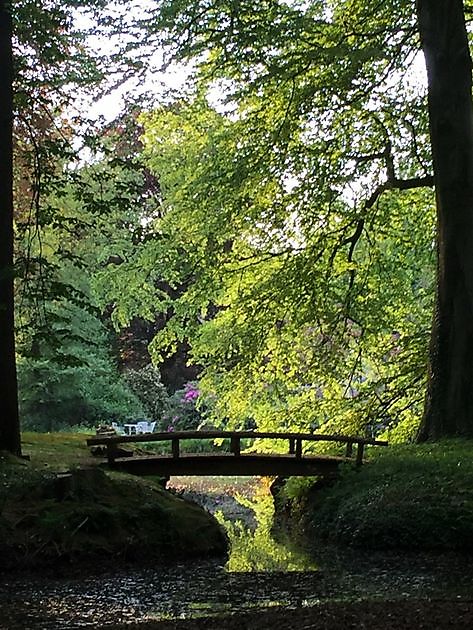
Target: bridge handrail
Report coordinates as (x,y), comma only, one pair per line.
(190,435)
(295,440)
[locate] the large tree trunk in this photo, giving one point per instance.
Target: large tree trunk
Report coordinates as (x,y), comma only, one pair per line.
(449,400)
(9,422)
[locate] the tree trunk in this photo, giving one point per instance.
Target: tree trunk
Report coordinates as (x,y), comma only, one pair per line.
(449,400)
(9,422)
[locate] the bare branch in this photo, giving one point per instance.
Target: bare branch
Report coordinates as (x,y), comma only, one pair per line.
(399,184)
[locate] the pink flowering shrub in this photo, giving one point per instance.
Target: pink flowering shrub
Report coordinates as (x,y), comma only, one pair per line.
(191,393)
(183,414)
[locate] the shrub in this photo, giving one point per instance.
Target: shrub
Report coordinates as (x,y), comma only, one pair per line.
(415,497)
(54,396)
(147,386)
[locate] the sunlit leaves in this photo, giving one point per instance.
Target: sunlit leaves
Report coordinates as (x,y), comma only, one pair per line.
(270,307)
(302,276)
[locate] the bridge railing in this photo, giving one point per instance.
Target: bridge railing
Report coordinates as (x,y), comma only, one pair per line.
(295,441)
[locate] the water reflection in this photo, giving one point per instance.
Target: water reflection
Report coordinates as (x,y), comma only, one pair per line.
(254,549)
(205,588)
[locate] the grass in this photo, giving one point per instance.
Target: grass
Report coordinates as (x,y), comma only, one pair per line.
(61,450)
(56,450)
(410,497)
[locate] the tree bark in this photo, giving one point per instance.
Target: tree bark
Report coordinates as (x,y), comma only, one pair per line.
(9,421)
(449,400)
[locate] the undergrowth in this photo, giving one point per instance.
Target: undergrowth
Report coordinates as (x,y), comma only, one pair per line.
(409,497)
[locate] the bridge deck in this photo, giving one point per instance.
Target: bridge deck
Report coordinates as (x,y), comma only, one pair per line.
(295,463)
(228,465)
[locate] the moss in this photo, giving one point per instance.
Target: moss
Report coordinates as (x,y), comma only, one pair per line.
(412,497)
(85,515)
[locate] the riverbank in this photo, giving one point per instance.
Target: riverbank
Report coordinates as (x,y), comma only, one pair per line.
(408,498)
(60,512)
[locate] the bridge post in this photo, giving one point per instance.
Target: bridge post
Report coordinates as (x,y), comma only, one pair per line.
(359,454)
(292,446)
(298,448)
(349,450)
(175,447)
(235,445)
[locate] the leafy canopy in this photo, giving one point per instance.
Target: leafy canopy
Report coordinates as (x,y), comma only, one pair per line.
(295,229)
(288,318)
(295,236)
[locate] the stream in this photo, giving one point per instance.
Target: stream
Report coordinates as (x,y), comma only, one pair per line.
(259,573)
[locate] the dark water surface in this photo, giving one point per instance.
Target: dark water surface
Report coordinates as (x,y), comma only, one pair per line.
(190,590)
(259,574)
(169,592)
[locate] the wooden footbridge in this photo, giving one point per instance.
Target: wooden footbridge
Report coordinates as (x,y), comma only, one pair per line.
(296,462)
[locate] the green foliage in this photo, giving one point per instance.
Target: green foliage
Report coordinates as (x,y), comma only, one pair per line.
(297,487)
(294,228)
(147,387)
(410,497)
(55,396)
(68,373)
(289,332)
(188,446)
(65,211)
(403,432)
(285,239)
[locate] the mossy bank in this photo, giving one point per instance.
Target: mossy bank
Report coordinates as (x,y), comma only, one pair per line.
(53,515)
(409,497)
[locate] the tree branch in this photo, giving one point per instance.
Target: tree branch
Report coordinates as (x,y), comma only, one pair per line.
(399,184)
